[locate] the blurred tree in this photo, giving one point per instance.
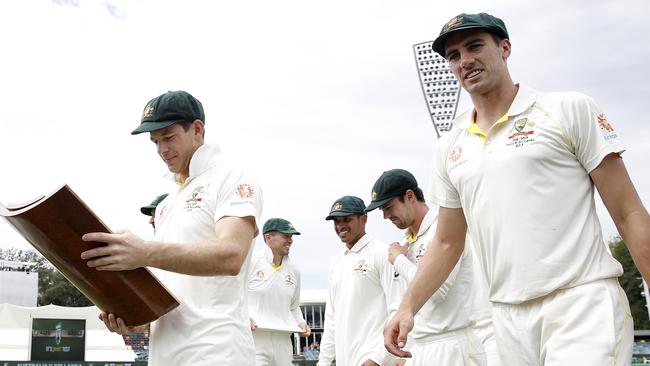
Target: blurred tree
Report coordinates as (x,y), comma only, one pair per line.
(53,287)
(632,284)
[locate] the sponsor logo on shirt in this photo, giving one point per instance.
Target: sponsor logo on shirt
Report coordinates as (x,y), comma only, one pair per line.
(455,153)
(395,276)
(420,254)
(521,133)
(195,198)
(606,128)
(361,268)
(245,191)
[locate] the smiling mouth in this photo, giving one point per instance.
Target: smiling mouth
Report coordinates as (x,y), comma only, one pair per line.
(343,233)
(473,74)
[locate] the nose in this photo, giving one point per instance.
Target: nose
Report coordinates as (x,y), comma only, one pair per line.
(161,147)
(386,215)
(466,60)
(151,221)
(290,240)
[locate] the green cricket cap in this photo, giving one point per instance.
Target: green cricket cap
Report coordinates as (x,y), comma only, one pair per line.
(346,206)
(390,184)
(464,21)
(169,108)
(281,225)
(152,206)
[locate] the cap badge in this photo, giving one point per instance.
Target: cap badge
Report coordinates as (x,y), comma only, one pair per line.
(374,196)
(148,111)
(337,207)
(455,22)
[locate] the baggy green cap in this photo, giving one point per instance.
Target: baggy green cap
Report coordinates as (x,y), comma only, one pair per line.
(281,225)
(346,206)
(169,108)
(390,184)
(469,21)
(150,207)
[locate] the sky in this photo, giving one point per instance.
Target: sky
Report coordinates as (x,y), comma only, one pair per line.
(314,98)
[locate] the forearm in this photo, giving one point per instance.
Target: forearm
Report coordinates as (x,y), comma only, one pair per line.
(206,258)
(437,263)
(635,231)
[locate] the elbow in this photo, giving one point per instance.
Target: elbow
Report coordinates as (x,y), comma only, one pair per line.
(234,266)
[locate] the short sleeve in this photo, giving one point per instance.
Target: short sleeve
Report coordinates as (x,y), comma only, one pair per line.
(592,134)
(441,191)
(240,196)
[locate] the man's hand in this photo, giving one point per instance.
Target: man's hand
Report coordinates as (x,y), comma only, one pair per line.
(396,249)
(395,333)
(117,325)
(306,331)
(253,325)
(124,251)
(369,362)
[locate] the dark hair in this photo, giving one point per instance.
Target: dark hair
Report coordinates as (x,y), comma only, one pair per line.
(419,195)
(497,38)
(186,125)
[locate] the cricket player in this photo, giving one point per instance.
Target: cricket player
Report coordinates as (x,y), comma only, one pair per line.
(150,209)
(442,333)
(363,289)
(201,249)
(519,170)
(274,297)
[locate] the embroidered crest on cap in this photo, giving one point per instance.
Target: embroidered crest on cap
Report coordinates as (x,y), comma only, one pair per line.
(337,207)
(455,22)
(148,111)
(374,196)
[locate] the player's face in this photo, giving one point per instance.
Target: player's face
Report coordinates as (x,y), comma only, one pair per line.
(477,60)
(151,218)
(280,243)
(350,228)
(398,213)
(176,146)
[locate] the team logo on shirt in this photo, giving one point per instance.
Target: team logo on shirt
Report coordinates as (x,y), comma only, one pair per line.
(361,268)
(245,191)
(521,133)
(195,198)
(289,280)
(606,127)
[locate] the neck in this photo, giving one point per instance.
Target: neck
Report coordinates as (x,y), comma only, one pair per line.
(277,259)
(491,106)
(421,210)
(356,240)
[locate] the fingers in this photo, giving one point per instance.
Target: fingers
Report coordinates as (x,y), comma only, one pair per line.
(392,342)
(99,237)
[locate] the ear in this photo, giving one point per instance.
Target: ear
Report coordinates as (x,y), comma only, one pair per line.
(506,46)
(198,127)
(363,218)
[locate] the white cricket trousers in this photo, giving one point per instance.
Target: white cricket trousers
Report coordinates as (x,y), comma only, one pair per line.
(272,348)
(455,348)
(484,330)
(589,324)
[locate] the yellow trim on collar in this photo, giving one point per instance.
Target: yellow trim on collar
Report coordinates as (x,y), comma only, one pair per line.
(276,267)
(475,129)
(410,238)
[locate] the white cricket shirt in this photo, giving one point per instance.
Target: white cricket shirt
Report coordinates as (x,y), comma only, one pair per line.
(527,195)
(363,291)
(211,325)
(446,309)
(274,294)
